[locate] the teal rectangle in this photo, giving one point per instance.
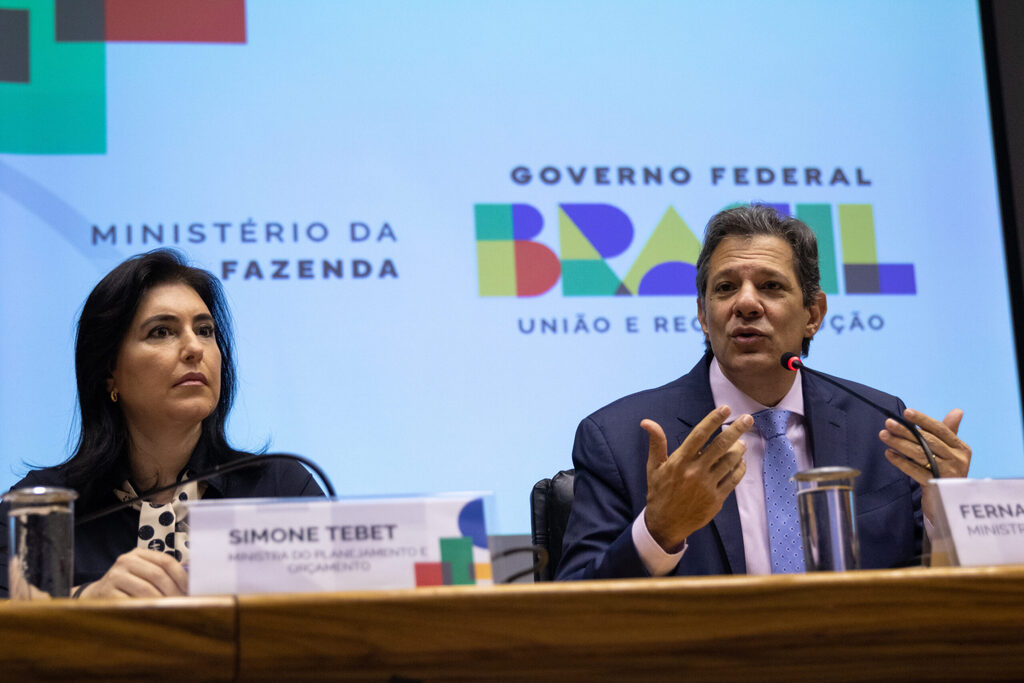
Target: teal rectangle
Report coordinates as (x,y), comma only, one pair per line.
(819,218)
(493,221)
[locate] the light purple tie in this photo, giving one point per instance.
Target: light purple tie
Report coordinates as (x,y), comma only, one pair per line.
(780,493)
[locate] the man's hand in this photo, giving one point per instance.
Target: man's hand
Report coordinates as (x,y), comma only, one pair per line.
(686,491)
(141,573)
(952,456)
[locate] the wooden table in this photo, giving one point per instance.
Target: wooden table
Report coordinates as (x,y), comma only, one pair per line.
(947,624)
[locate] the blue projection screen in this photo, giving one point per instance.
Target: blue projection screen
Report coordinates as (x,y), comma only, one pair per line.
(450,230)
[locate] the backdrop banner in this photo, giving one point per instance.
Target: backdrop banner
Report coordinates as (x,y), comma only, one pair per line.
(450,230)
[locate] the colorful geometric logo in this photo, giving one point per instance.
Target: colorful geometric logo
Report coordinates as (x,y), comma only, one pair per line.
(457,566)
(53,62)
(511,263)
(862,272)
(589,234)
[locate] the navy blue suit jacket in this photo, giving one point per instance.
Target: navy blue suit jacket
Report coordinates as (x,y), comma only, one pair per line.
(610,456)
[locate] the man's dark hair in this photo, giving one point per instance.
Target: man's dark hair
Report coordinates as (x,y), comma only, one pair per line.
(102,448)
(757,220)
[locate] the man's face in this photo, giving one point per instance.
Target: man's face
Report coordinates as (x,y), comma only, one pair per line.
(753,312)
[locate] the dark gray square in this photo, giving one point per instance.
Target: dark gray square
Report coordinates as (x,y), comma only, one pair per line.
(81,21)
(862,278)
(14,46)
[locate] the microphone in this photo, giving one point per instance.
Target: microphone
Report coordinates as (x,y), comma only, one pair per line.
(241,463)
(792,362)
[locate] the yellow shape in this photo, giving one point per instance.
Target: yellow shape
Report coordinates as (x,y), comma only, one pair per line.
(672,240)
(496,264)
(575,247)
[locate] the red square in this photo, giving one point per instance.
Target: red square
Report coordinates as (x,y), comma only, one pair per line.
(429,574)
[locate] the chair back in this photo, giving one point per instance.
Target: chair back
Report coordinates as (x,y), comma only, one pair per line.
(550,504)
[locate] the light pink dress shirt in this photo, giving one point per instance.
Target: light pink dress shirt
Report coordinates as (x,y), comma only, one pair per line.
(750,490)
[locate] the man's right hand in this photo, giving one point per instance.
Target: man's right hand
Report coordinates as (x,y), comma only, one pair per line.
(140,573)
(686,491)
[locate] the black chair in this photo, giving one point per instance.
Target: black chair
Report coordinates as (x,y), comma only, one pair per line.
(550,504)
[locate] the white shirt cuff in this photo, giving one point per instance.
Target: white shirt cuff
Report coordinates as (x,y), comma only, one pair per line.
(655,559)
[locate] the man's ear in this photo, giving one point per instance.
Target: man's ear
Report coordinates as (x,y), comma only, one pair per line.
(702,316)
(816,312)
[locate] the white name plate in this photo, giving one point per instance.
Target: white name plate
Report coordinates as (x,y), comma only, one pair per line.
(301,545)
(978,522)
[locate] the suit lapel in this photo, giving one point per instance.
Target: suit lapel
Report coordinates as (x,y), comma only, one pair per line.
(826,438)
(826,435)
(730,530)
(695,403)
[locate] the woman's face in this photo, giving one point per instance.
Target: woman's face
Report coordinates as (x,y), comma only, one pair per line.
(168,369)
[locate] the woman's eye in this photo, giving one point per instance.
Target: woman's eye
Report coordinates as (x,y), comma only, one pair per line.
(205,331)
(160,332)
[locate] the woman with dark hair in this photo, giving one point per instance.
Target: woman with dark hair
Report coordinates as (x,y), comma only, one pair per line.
(156,378)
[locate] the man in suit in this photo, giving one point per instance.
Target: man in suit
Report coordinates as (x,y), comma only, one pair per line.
(721,503)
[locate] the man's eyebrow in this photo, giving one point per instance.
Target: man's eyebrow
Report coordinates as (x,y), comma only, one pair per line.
(760,270)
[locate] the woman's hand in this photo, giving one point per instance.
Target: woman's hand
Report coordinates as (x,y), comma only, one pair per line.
(140,573)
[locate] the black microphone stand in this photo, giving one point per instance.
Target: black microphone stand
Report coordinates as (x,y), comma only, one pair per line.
(241,463)
(791,361)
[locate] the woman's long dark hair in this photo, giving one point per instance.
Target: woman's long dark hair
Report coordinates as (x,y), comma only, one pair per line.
(101,454)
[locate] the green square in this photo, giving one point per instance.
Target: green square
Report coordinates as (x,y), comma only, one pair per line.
(493,221)
(458,552)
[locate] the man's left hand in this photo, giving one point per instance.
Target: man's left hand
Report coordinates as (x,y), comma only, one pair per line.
(952,455)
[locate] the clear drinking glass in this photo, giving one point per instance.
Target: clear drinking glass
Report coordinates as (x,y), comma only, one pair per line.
(827,521)
(42,542)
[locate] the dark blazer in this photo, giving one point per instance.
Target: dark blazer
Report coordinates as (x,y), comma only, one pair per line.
(610,456)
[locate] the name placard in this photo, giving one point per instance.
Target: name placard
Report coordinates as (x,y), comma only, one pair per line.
(300,545)
(978,522)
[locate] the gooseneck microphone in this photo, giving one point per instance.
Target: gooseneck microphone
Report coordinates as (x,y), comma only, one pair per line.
(241,463)
(792,362)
